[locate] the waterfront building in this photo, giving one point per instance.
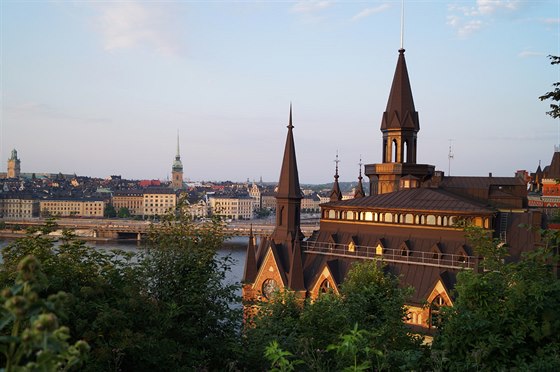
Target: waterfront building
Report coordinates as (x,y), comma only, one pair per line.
(133,200)
(268,200)
(158,201)
(69,207)
(18,206)
(412,221)
(177,170)
(255,193)
(14,165)
(232,207)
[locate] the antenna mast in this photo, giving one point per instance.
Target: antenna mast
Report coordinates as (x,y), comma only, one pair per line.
(449,157)
(402,24)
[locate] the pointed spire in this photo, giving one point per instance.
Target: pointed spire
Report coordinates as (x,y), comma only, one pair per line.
(250,272)
(359,193)
(288,185)
(336,194)
(178,156)
(400,112)
(295,276)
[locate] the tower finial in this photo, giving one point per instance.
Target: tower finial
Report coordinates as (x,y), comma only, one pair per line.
(290,126)
(359,192)
(336,194)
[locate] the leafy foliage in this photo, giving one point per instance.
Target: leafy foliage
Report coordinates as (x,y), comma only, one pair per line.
(554,95)
(506,317)
(163,308)
(36,340)
(362,327)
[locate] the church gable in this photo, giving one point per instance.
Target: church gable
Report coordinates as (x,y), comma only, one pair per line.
(324,283)
(270,276)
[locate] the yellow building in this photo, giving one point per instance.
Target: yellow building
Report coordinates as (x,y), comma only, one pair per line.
(72,207)
(158,202)
(18,207)
(133,200)
(234,207)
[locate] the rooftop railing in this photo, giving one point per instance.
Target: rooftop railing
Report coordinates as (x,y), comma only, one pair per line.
(443,260)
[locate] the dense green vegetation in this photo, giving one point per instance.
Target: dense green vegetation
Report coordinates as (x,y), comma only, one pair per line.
(66,305)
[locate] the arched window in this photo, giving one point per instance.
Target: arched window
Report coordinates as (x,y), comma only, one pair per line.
(435,311)
(349,215)
(431,220)
(409,218)
(388,217)
(332,214)
(351,247)
(395,149)
(405,152)
(368,216)
(325,286)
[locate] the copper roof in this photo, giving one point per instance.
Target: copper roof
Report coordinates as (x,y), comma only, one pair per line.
(400,112)
(480,182)
(415,199)
(554,168)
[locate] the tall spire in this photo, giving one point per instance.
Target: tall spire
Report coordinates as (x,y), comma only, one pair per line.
(288,197)
(359,193)
(335,192)
(288,185)
(250,272)
(400,112)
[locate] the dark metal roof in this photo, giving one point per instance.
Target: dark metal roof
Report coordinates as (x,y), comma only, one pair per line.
(400,112)
(554,168)
(480,182)
(415,199)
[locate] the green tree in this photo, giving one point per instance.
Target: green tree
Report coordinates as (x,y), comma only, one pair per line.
(554,95)
(506,317)
(36,340)
(123,212)
(109,211)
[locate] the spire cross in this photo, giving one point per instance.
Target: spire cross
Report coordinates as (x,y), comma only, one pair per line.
(360,165)
(336,167)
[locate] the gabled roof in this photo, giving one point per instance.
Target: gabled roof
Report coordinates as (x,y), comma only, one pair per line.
(400,112)
(414,200)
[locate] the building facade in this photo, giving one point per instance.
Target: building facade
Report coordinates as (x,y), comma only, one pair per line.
(232,207)
(15,206)
(72,208)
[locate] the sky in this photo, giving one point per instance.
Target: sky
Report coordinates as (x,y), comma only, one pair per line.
(101,88)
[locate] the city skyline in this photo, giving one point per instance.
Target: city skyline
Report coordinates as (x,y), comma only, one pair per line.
(98,88)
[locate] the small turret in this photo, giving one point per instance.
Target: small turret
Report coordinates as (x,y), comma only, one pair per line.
(336,194)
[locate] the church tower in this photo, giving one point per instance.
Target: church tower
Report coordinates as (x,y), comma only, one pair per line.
(177,170)
(288,197)
(399,126)
(13,165)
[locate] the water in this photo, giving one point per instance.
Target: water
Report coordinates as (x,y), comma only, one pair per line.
(236,248)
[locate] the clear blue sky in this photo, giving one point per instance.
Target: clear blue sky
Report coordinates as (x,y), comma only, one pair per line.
(101,87)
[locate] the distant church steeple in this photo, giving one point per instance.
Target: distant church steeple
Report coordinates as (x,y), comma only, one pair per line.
(177,169)
(288,197)
(14,165)
(336,194)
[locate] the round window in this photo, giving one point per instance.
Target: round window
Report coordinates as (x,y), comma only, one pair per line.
(269,287)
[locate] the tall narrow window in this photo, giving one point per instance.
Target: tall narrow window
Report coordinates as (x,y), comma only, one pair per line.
(435,311)
(395,149)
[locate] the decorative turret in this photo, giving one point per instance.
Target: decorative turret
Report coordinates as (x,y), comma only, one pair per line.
(336,194)
(250,272)
(177,169)
(400,120)
(288,197)
(359,192)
